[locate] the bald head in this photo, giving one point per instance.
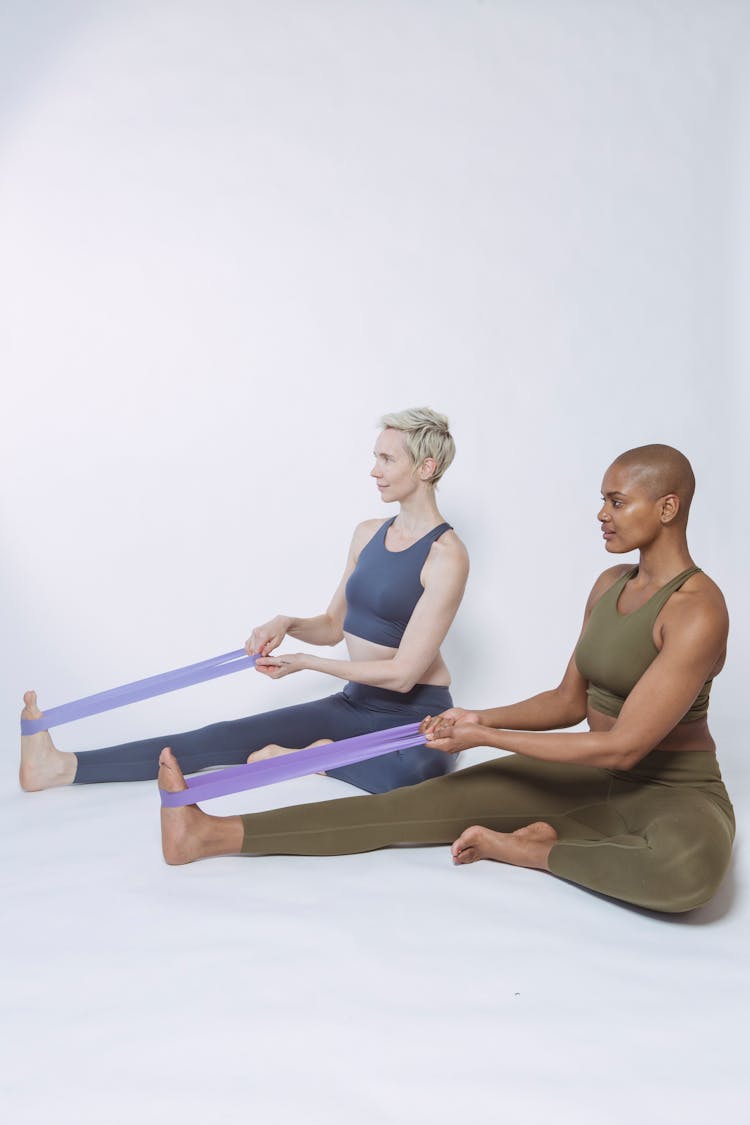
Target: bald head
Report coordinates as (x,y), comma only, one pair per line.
(660,470)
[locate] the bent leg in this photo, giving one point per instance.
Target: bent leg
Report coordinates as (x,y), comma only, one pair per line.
(672,855)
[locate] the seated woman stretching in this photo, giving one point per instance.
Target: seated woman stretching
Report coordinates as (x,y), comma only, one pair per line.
(634,808)
(401,589)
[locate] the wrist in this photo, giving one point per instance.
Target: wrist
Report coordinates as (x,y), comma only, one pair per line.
(286,623)
(486,735)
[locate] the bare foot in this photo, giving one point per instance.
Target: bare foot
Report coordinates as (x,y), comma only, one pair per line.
(527,847)
(43,766)
(187,833)
(274,751)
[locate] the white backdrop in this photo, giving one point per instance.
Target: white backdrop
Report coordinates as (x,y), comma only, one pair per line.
(233,234)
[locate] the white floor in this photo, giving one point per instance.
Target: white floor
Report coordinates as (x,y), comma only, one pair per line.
(389,987)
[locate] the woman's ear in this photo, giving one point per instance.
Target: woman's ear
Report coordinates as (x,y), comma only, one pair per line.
(670,506)
(427,468)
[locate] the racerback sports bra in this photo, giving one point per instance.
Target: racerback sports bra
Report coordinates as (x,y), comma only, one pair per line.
(384,587)
(616,649)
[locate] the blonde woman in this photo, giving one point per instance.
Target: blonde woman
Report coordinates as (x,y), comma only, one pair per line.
(399,593)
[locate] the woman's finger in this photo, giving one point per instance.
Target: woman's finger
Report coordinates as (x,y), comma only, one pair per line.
(440,744)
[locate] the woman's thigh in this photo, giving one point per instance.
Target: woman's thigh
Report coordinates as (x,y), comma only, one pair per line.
(670,854)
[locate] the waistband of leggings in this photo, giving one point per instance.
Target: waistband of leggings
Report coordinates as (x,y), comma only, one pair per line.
(674,767)
(429,699)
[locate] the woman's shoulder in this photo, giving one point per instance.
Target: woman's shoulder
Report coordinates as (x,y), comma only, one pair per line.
(449,550)
(364,532)
(698,595)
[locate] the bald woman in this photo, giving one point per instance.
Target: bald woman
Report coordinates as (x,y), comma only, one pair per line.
(634,808)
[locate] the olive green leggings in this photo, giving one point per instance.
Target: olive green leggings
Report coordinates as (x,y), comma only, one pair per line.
(658,836)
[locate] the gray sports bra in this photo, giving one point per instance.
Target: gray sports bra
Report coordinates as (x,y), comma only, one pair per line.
(384,587)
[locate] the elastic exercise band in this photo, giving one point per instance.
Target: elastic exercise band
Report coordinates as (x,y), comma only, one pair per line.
(236,779)
(141,689)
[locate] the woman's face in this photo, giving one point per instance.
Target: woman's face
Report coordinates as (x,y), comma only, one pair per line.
(393,470)
(630,516)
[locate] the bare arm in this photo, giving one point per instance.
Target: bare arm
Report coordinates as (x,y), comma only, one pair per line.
(563,706)
(445,577)
(692,644)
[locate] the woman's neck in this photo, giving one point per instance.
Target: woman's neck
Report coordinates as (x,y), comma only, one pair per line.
(661,561)
(417,514)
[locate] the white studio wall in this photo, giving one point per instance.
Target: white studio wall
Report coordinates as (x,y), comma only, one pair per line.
(233,234)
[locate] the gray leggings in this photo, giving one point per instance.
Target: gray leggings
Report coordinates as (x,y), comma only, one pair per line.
(355,710)
(659,835)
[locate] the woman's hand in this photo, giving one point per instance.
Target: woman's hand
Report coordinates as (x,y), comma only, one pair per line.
(265,638)
(276,667)
(433,725)
(452,736)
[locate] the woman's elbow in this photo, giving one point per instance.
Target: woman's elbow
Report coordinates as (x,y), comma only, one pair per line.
(573,716)
(573,706)
(625,755)
(403,685)
(335,630)
(402,680)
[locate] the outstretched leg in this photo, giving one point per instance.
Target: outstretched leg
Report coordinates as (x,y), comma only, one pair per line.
(187,833)
(234,742)
(43,766)
(486,811)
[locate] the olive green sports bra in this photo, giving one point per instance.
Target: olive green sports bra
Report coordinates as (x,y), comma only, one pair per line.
(616,649)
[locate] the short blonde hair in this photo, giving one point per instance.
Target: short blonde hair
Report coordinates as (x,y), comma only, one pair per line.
(426,434)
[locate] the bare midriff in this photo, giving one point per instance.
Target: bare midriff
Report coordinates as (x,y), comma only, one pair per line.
(360,649)
(685,736)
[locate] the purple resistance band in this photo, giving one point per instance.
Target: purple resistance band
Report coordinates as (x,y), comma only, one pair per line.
(218,783)
(236,779)
(141,689)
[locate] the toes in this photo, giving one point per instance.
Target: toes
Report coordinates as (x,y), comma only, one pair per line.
(31,710)
(170,774)
(466,855)
(469,837)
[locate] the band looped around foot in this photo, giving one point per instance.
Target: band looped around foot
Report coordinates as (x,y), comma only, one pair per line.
(147,688)
(345,752)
